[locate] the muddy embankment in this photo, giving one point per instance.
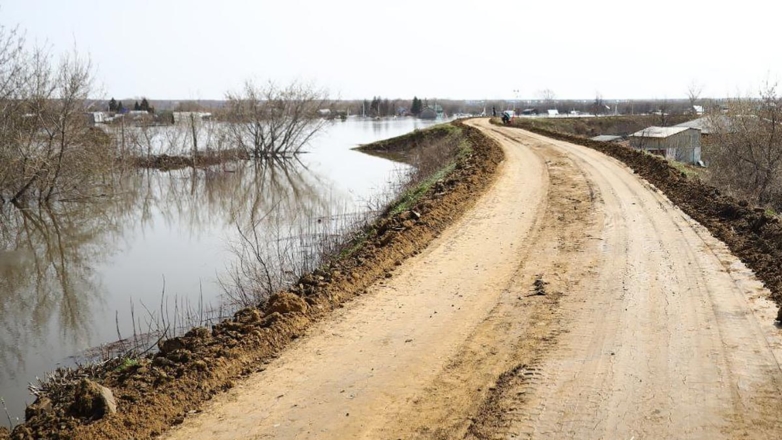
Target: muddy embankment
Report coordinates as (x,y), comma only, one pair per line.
(151,394)
(401,148)
(751,234)
(164,162)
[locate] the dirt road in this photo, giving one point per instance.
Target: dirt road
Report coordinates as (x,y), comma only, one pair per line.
(573,301)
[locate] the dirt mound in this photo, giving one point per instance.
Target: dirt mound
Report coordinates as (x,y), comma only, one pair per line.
(751,234)
(161,390)
(285,303)
(93,401)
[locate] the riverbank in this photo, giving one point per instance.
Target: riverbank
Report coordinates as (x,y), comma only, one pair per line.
(751,233)
(158,391)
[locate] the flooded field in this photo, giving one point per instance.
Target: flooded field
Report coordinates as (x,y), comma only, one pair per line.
(165,244)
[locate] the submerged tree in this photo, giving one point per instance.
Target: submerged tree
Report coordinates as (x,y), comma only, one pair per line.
(598,105)
(47,148)
(271,121)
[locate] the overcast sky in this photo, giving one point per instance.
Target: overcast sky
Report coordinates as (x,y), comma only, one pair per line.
(199,49)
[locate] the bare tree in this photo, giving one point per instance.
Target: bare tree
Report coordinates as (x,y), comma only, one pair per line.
(547,95)
(694,90)
(665,110)
(270,121)
(46,143)
(598,106)
(746,153)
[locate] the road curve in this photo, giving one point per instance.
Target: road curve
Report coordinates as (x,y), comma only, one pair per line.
(573,301)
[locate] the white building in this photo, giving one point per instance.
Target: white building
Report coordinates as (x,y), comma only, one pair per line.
(98,117)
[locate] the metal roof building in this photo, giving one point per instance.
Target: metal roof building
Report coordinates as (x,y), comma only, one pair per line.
(710,124)
(682,144)
(702,124)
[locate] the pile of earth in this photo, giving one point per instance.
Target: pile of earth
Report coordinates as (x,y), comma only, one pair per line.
(153,393)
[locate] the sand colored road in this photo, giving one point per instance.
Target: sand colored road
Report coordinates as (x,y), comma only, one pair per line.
(573,301)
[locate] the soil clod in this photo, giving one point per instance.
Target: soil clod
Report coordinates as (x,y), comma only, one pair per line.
(539,286)
(93,401)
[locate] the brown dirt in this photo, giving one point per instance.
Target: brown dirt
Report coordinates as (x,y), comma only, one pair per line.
(187,372)
(572,301)
(664,334)
(751,234)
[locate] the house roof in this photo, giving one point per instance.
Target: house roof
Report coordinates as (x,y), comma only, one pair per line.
(708,125)
(659,132)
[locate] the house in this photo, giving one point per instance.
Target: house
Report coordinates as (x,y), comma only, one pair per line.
(701,124)
(432,112)
(98,117)
(607,138)
(710,124)
(553,112)
(682,144)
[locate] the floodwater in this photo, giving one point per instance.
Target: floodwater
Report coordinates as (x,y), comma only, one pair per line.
(162,240)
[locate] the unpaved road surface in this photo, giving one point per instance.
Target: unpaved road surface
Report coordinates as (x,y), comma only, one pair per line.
(573,301)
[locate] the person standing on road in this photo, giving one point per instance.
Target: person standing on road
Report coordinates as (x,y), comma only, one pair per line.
(493,111)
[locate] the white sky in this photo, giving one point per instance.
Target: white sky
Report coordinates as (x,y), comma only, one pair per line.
(198,49)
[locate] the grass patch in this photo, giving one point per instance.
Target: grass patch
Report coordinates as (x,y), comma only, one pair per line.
(127,363)
(685,169)
(413,195)
(413,140)
(426,150)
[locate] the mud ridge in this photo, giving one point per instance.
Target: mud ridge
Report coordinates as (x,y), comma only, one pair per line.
(754,236)
(161,390)
(164,162)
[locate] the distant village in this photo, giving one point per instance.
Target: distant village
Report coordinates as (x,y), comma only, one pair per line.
(681,141)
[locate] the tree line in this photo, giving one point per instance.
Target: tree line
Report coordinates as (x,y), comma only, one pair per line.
(383,107)
(118,107)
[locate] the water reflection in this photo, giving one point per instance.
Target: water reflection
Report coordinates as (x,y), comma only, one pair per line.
(47,282)
(52,298)
(66,268)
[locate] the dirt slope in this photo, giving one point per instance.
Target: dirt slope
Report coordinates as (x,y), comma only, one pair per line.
(573,301)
